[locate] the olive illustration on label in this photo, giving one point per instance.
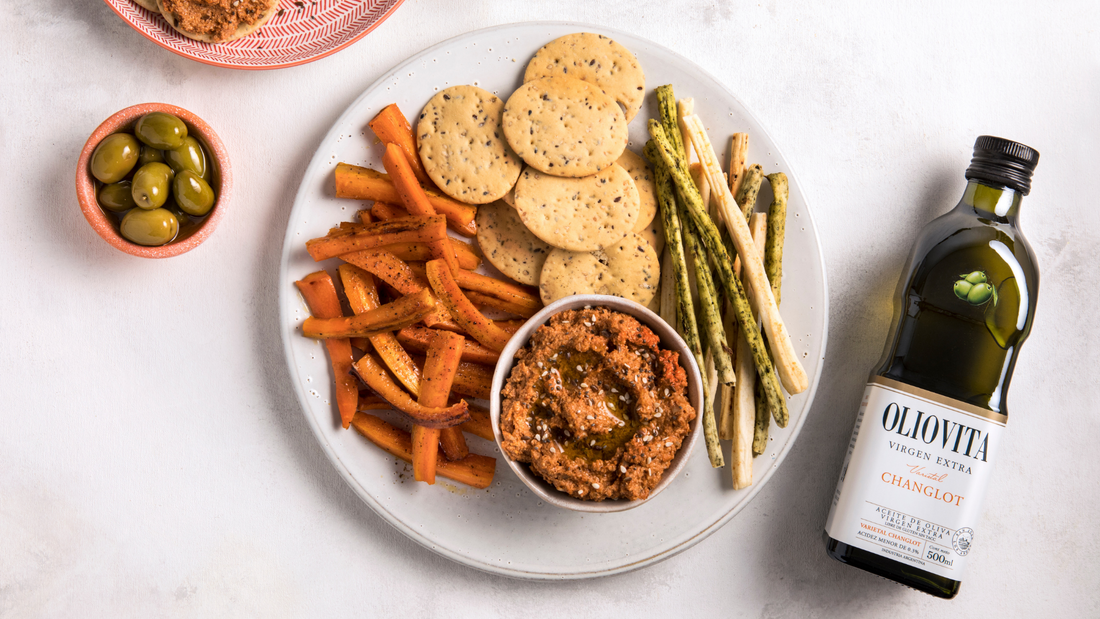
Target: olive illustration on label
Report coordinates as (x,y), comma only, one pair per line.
(975,289)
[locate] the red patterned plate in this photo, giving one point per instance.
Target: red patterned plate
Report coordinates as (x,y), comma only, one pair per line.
(302,31)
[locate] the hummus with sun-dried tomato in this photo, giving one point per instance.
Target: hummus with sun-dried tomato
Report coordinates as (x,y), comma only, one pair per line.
(595,406)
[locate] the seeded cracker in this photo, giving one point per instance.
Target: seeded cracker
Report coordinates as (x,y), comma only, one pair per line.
(655,234)
(460,142)
(639,170)
(596,59)
(578,214)
(508,245)
(630,269)
(564,127)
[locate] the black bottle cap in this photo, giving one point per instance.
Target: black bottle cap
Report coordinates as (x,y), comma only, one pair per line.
(1003,162)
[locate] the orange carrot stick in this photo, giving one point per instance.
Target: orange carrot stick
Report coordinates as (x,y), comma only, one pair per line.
(453,443)
(483,300)
(467,257)
(413,197)
(406,230)
(372,372)
(320,295)
(479,424)
(513,293)
(464,313)
(474,470)
(473,379)
(362,294)
(401,313)
(444,353)
(398,275)
(418,338)
(359,183)
(373,402)
(391,126)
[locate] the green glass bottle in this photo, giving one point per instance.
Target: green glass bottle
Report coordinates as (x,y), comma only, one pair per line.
(933,413)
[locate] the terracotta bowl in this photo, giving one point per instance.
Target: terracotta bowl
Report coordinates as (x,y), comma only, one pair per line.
(103,223)
(670,340)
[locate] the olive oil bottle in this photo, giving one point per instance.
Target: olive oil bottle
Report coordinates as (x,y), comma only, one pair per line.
(934,411)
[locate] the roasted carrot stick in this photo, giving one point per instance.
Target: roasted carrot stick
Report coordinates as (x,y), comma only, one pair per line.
(418,338)
(401,313)
(406,230)
(320,295)
(359,183)
(467,257)
(484,300)
(365,216)
(384,210)
(512,293)
(444,354)
(391,126)
(373,402)
(398,275)
(464,313)
(362,294)
(413,197)
(474,470)
(479,424)
(473,379)
(389,268)
(372,372)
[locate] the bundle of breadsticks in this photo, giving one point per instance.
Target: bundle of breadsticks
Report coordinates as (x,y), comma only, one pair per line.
(721,281)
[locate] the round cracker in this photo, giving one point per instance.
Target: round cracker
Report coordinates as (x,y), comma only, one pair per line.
(639,170)
(628,269)
(578,214)
(510,197)
(596,59)
(565,127)
(655,234)
(460,142)
(150,5)
(243,30)
(508,245)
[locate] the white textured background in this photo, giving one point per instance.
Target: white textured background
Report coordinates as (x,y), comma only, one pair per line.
(153,460)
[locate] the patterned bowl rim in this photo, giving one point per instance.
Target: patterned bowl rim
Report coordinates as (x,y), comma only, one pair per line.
(284,65)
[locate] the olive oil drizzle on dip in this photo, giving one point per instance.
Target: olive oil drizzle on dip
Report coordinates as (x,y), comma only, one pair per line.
(595,406)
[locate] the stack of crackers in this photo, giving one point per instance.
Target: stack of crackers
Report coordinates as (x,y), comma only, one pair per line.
(564,205)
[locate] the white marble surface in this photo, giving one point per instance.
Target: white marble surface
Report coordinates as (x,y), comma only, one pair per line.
(153,460)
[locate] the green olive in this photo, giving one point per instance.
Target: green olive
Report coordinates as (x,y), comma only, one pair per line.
(150,155)
(114,157)
(116,197)
(160,130)
(187,156)
(979,294)
(976,277)
(192,193)
(151,228)
(151,185)
(962,288)
(183,218)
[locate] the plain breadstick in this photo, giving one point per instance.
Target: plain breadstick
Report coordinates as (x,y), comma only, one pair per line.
(744,399)
(788,367)
(739,155)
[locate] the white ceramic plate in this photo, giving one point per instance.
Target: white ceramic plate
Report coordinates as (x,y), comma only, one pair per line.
(506,529)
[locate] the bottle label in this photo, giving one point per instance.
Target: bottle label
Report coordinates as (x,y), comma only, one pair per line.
(912,483)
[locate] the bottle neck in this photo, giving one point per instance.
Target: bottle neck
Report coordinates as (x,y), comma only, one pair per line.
(1001,204)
